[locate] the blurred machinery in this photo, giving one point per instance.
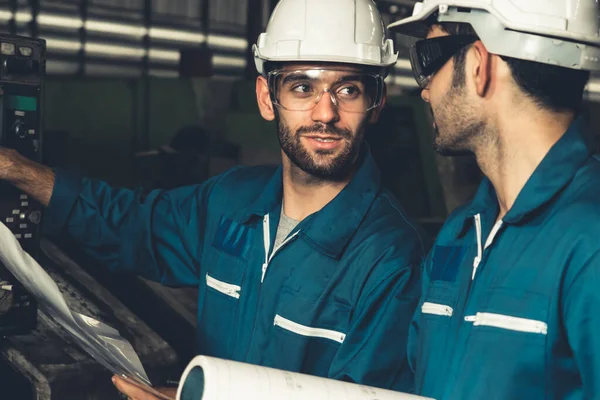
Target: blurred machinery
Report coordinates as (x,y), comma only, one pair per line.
(38,359)
(22,70)
(47,364)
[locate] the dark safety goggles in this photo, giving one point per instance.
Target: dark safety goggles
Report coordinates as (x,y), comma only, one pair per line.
(429,55)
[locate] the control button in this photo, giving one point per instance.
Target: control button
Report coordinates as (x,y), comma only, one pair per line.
(31,131)
(16,212)
(28,236)
(22,215)
(22,226)
(35,217)
(19,129)
(24,203)
(18,235)
(10,219)
(23,197)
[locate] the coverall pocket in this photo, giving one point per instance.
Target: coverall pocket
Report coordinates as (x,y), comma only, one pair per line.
(506,343)
(306,333)
(218,318)
(434,322)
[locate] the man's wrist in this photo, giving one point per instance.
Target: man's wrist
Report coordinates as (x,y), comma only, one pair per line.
(14,170)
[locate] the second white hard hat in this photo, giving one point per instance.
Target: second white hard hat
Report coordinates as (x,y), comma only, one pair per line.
(558,32)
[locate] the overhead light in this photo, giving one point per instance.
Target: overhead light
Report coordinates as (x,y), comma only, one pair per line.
(164,55)
(119,29)
(59,21)
(112,50)
(175,35)
(228,61)
(62,44)
(23,17)
(5,15)
(227,42)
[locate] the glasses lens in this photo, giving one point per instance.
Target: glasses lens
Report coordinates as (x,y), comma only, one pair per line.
(350,91)
(429,55)
(420,77)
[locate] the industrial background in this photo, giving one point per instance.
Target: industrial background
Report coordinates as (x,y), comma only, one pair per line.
(160,93)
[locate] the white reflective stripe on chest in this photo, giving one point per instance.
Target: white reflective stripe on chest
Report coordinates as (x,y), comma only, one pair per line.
(304,330)
(508,322)
(267,243)
(223,287)
(436,309)
(488,242)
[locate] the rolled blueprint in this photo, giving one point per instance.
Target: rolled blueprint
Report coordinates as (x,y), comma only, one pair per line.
(208,378)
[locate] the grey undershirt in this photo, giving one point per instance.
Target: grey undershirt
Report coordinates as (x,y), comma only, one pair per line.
(286,225)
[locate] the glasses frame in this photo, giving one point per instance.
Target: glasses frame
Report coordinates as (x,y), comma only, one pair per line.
(272,77)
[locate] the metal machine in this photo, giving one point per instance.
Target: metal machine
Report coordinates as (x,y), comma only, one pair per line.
(22,70)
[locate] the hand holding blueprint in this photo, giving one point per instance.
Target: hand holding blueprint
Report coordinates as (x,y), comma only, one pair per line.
(102,342)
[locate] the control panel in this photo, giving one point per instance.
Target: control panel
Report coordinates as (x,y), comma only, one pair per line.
(22,70)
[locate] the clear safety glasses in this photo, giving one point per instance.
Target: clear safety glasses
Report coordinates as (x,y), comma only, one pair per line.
(429,55)
(302,89)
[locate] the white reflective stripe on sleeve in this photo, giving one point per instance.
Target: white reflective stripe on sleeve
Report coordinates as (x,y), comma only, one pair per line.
(436,309)
(508,322)
(223,287)
(307,330)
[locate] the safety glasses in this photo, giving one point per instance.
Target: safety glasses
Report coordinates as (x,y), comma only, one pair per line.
(302,89)
(429,55)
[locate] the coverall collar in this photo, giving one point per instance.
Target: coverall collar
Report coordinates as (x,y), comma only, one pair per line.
(555,172)
(331,228)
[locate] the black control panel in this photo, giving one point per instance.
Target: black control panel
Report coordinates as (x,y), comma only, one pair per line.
(22,70)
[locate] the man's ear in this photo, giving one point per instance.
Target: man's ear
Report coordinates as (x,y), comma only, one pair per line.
(377,111)
(482,67)
(263,98)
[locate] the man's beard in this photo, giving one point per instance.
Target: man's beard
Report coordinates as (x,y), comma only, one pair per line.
(456,127)
(337,168)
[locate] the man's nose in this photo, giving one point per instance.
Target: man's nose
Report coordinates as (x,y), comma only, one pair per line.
(325,111)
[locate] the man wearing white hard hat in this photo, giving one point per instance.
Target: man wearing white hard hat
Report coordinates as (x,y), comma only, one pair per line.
(510,306)
(311,266)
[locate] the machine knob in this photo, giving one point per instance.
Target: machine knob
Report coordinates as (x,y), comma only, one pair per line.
(35,217)
(19,129)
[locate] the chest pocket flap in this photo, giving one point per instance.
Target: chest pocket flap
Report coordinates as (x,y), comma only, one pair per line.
(233,238)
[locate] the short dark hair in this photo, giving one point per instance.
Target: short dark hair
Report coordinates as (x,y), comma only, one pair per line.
(552,87)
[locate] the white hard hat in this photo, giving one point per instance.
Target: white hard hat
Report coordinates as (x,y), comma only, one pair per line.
(558,32)
(341,31)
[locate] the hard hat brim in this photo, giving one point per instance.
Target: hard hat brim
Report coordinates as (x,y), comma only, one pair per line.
(413,26)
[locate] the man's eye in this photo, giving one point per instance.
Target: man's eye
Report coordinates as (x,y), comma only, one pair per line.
(349,91)
(302,88)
